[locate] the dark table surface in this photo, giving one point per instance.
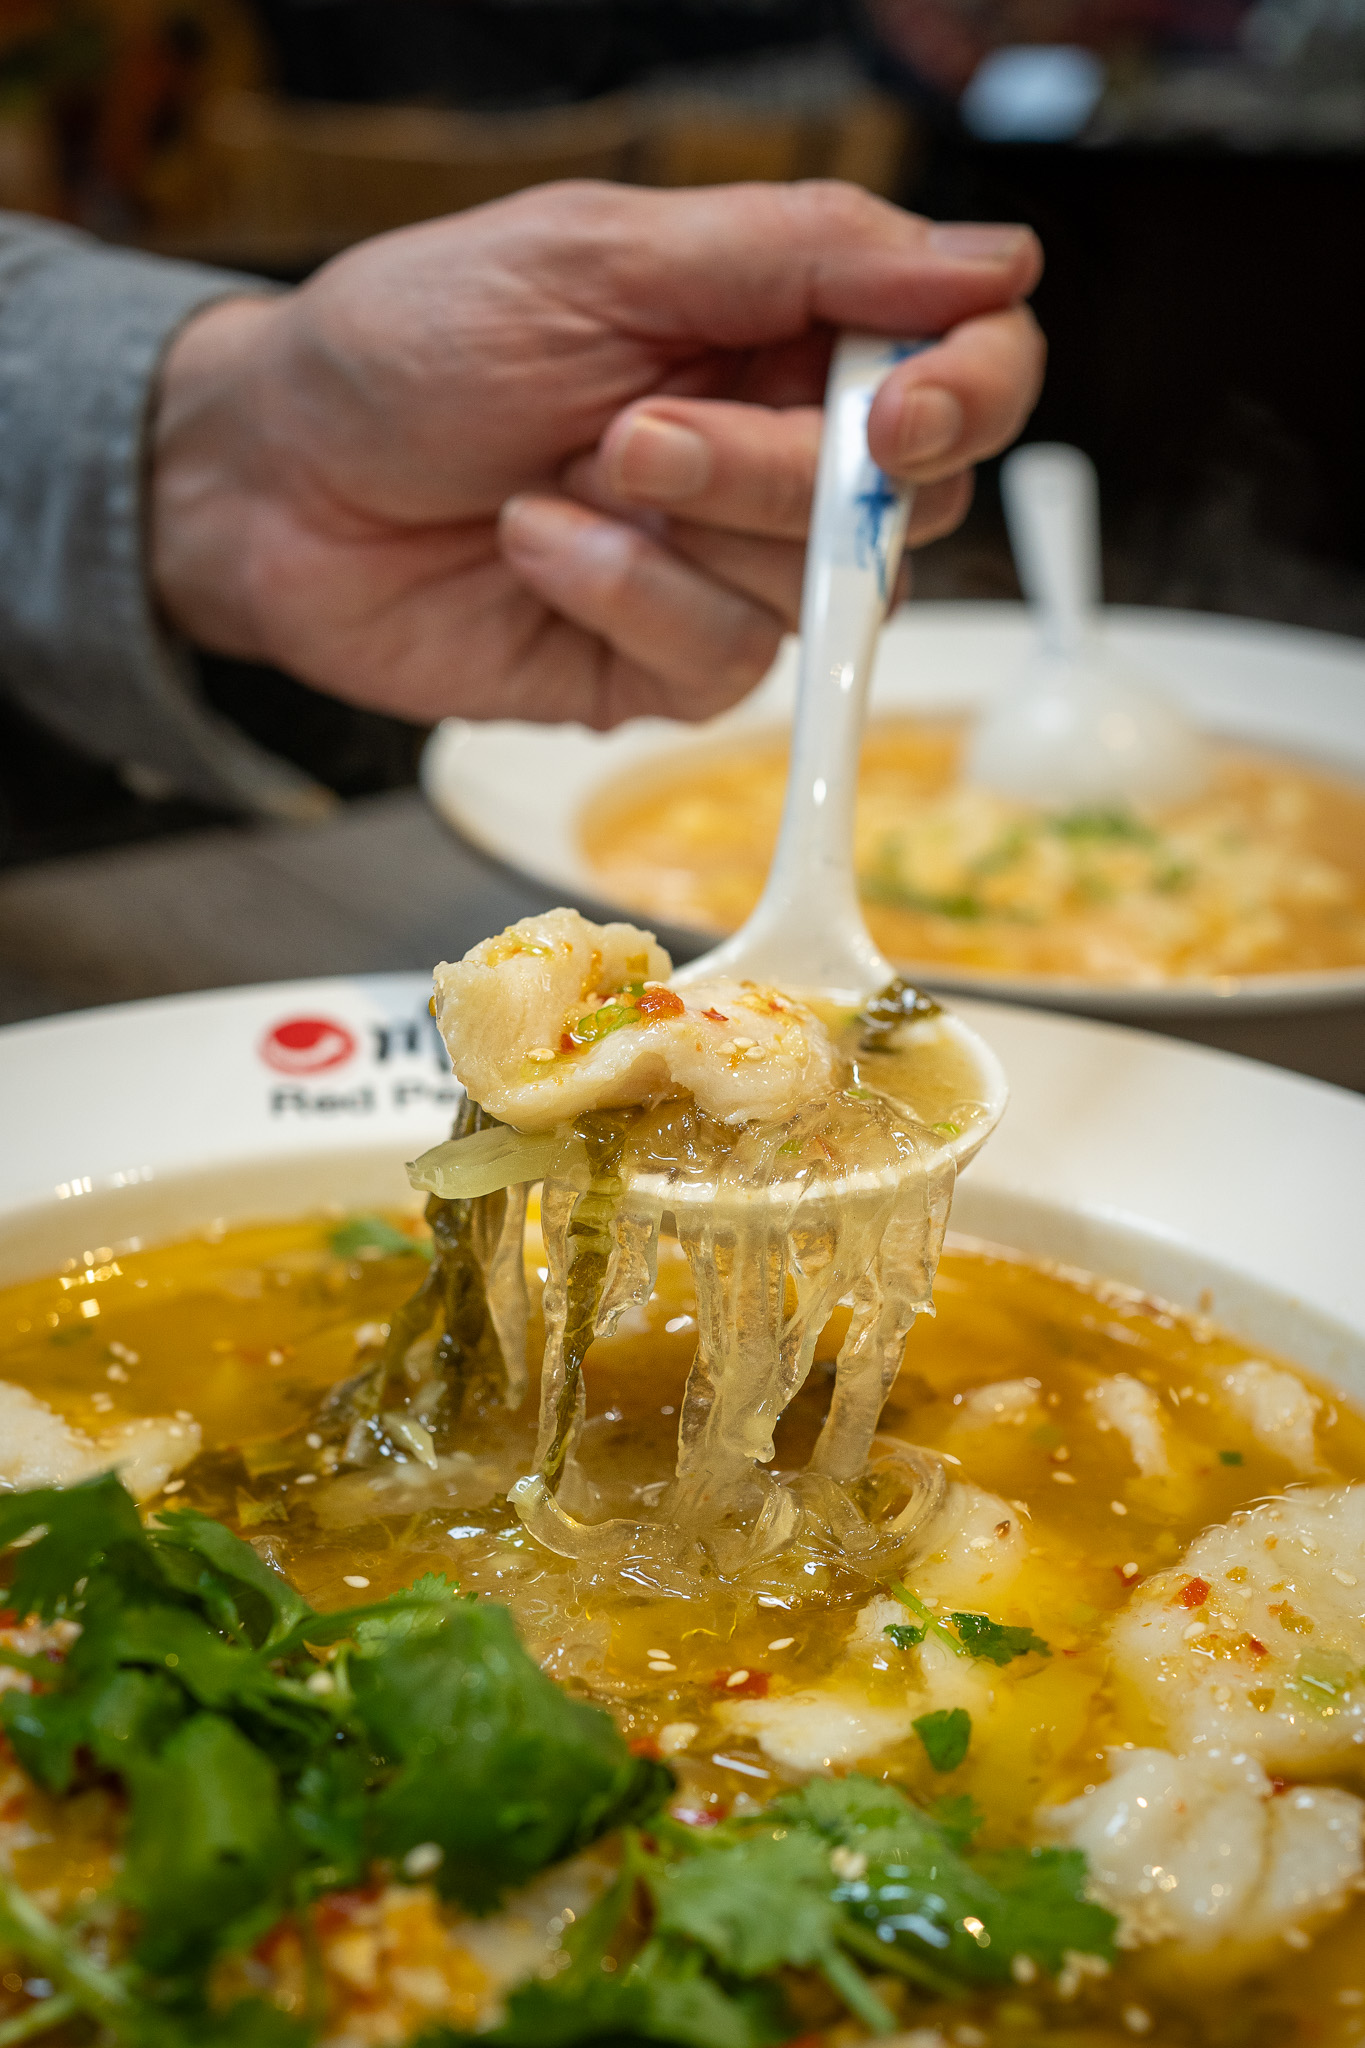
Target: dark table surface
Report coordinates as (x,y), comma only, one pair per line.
(377,886)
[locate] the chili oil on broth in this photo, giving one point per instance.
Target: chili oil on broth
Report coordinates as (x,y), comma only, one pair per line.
(1264,874)
(250,1327)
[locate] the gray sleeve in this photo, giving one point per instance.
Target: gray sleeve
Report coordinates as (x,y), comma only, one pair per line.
(83,329)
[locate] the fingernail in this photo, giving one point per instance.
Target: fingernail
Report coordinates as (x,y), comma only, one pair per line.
(660,461)
(561,537)
(930,423)
(978,241)
(530,524)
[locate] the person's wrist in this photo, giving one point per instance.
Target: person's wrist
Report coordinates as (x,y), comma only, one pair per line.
(201,450)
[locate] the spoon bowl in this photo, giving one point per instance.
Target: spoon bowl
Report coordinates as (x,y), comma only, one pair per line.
(1081,730)
(806,934)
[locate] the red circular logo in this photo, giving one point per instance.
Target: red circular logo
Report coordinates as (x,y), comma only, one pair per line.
(307,1045)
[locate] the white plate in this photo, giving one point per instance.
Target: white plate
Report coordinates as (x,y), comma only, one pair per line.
(1216,1183)
(518,791)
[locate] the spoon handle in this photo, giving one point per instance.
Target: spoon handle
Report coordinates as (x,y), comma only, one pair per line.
(1052,506)
(807,930)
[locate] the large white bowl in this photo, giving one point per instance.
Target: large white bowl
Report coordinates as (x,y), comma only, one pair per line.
(1218,1184)
(518,792)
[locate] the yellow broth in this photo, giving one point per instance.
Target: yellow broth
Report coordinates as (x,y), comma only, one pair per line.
(246,1330)
(1265,873)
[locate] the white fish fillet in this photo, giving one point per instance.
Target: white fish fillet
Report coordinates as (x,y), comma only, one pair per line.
(1197,1849)
(742,1051)
(38,1447)
(1257,1640)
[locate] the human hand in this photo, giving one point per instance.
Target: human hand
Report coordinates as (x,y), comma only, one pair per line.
(553,458)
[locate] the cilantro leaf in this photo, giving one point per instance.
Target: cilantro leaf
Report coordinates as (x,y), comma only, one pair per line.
(207,1843)
(971,1635)
(490,1759)
(244,1596)
(945,1735)
(908,1896)
(959,1816)
(370,1237)
(904,1634)
(996,1641)
(760,1904)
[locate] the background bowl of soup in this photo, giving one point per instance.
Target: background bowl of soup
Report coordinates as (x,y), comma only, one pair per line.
(1238,920)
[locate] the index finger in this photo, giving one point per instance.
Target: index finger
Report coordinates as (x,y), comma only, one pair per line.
(747,266)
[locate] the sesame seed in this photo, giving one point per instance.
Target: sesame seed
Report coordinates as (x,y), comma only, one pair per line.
(1129,1571)
(1296,1938)
(541,1053)
(1137,2019)
(173,1486)
(421,1861)
(737,1678)
(1195,1630)
(1346,1578)
(1116,1507)
(313,1440)
(1065,1478)
(782,1642)
(742,1044)
(755,1052)
(355,1579)
(1023,1969)
(306,1479)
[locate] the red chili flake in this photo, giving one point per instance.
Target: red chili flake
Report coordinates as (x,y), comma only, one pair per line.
(269,1946)
(753,1685)
(8,1617)
(567,1044)
(1257,1647)
(698,1816)
(1278,1785)
(1194,1592)
(660,1002)
(715,1016)
(646,1745)
(338,1909)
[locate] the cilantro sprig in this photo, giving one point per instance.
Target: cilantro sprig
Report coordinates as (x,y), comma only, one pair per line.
(845,1878)
(971,1635)
(269,1753)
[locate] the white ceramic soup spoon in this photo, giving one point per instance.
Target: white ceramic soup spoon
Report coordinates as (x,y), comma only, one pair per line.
(806,933)
(1079,730)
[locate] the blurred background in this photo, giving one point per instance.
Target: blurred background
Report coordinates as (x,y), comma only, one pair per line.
(1196,169)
